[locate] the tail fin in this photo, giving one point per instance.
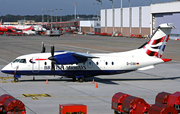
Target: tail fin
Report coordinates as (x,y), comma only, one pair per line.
(157,43)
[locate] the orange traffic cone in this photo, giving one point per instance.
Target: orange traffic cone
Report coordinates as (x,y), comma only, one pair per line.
(96,85)
(93,81)
(46,81)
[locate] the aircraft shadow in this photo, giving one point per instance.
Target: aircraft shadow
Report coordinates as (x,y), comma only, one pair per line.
(108,81)
(101,80)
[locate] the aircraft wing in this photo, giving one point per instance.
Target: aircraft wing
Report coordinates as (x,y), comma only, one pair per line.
(72,58)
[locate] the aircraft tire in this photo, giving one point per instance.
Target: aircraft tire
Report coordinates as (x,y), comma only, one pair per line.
(80,79)
(16,79)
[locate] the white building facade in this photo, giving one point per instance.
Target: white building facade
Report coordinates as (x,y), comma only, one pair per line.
(140,20)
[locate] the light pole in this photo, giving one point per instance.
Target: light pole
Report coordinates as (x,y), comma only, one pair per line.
(121,4)
(112,3)
(56,15)
(51,17)
(121,17)
(151,1)
(42,16)
(97,10)
(75,10)
(60,15)
(93,9)
(101,3)
(48,16)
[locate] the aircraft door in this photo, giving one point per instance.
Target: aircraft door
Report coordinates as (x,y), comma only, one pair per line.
(89,63)
(35,64)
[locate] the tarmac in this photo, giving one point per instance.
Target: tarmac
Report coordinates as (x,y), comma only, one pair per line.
(42,98)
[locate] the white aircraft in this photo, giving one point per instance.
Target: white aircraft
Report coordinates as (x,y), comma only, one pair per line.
(81,65)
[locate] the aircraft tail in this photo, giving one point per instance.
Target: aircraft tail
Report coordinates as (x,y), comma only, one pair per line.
(156,45)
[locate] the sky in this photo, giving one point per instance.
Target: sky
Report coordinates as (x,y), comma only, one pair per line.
(34,7)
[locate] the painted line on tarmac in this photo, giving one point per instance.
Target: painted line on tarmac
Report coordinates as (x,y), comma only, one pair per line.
(5,78)
(34,98)
(3,81)
(36,95)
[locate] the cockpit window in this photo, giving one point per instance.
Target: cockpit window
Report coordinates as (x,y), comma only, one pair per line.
(23,61)
(19,61)
(16,60)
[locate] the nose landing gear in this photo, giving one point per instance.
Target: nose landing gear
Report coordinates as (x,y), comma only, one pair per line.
(16,78)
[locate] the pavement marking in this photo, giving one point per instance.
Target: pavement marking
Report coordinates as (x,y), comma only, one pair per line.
(36,95)
(3,81)
(5,78)
(14,82)
(34,98)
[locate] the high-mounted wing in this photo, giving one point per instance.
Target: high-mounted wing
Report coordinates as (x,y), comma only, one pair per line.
(72,58)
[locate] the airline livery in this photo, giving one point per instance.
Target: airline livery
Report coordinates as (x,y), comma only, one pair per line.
(79,66)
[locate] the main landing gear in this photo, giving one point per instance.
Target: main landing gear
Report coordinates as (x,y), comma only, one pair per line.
(80,78)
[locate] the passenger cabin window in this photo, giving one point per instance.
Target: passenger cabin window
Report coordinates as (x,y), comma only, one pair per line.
(112,63)
(106,63)
(97,63)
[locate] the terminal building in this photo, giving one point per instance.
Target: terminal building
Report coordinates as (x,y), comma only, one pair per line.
(141,20)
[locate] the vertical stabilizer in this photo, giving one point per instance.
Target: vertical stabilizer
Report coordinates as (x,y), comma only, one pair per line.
(157,43)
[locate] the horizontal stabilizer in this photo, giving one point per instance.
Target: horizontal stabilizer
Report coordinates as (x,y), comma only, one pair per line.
(166,60)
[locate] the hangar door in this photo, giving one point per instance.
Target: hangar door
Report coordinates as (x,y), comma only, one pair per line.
(169,18)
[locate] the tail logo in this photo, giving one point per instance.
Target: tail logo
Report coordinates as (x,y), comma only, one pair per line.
(155,47)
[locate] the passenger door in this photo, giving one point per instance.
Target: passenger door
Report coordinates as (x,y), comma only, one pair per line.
(35,65)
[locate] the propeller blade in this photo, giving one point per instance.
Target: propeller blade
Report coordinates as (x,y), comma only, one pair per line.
(43,48)
(52,51)
(52,59)
(52,66)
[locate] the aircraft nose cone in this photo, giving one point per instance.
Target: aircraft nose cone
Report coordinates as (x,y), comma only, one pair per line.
(7,70)
(3,70)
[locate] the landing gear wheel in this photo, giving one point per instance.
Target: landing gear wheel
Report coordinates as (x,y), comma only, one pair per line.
(16,80)
(80,79)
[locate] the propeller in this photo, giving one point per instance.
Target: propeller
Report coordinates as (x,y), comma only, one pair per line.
(53,60)
(43,48)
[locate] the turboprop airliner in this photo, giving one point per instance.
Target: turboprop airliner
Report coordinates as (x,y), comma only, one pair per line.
(79,66)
